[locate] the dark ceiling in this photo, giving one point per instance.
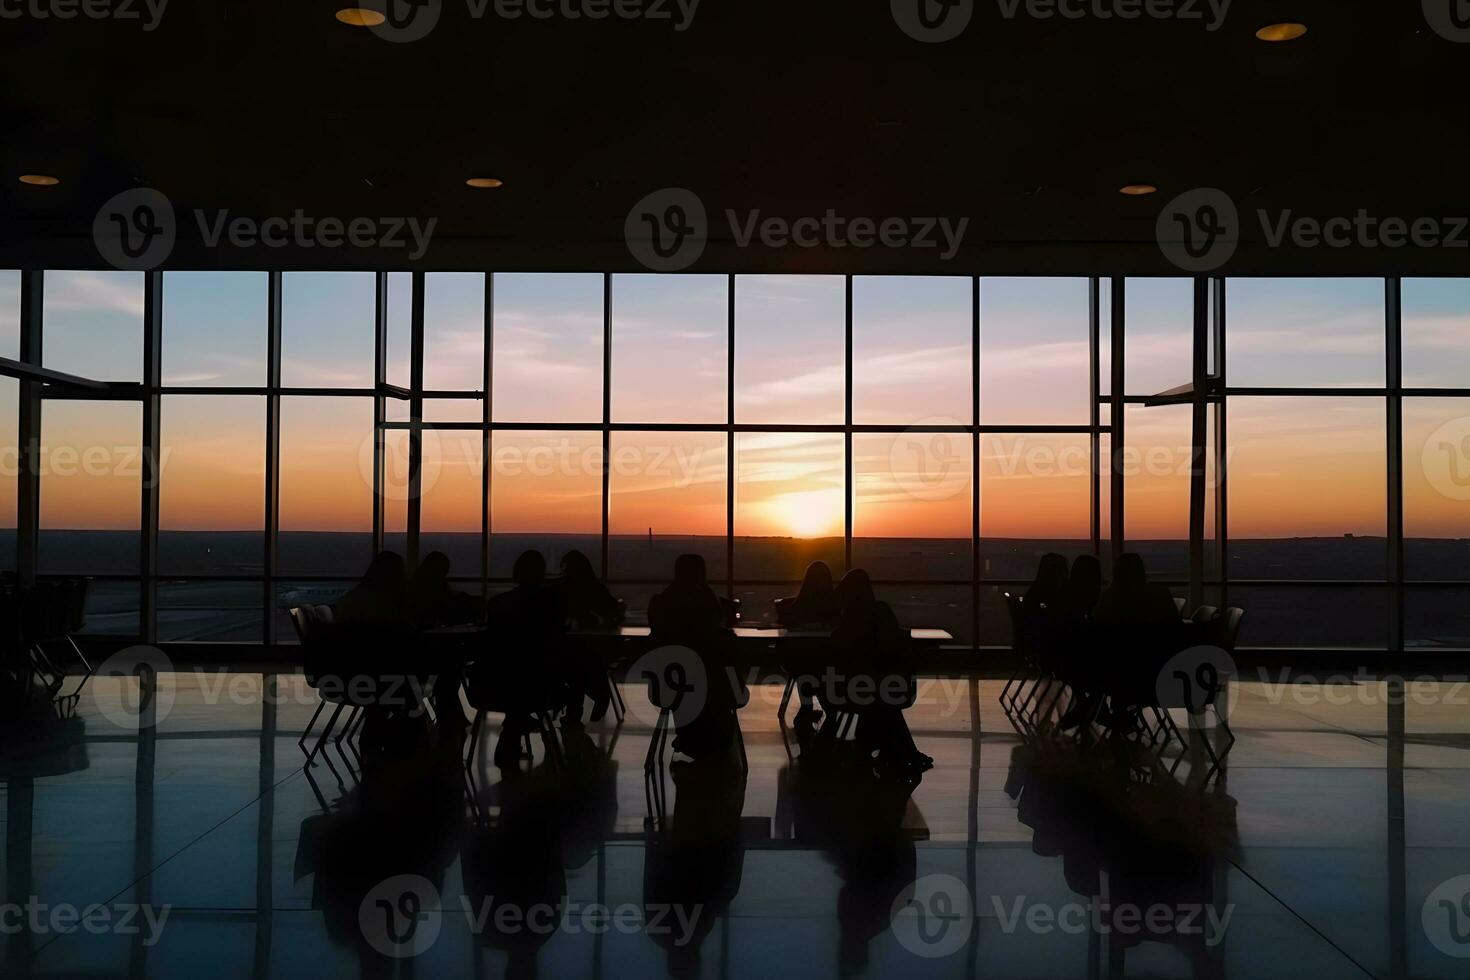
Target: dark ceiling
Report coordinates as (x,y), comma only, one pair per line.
(1024,126)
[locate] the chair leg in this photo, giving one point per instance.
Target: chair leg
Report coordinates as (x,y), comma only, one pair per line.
(651,759)
(619,706)
(474,739)
(311,724)
(785,698)
(326,732)
(347,726)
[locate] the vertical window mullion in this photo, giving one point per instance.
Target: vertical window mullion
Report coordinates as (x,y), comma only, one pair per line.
(730,474)
(606,415)
(1393,324)
(272,449)
(850,490)
(151,435)
(487,415)
(975,462)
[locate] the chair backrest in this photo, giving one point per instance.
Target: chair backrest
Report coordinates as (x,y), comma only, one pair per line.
(1230,627)
(1205,614)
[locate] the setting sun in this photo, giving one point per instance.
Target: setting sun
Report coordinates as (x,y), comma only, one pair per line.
(808,514)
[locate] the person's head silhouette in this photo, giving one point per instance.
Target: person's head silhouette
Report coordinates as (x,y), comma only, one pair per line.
(855,592)
(577,567)
(386,571)
(689,572)
(433,569)
(1129,574)
(529,569)
(817,581)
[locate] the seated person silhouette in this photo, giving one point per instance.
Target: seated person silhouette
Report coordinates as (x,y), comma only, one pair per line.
(1083,589)
(525,633)
(1049,585)
(585,603)
(814,605)
(1132,600)
(688,613)
(874,648)
(380,599)
(433,601)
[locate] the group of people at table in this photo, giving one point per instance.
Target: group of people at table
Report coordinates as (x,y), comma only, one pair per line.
(534,644)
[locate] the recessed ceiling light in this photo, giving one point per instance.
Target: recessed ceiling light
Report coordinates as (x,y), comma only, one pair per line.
(1281,32)
(1137,190)
(40,180)
(485,182)
(360,17)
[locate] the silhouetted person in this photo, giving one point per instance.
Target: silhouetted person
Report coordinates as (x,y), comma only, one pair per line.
(433,601)
(525,630)
(815,604)
(1132,600)
(380,599)
(1084,589)
(874,649)
(1050,582)
(688,613)
(687,606)
(585,603)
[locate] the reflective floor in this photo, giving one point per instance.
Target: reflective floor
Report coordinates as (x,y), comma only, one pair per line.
(1331,845)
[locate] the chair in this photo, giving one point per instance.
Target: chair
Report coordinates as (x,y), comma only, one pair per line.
(517,683)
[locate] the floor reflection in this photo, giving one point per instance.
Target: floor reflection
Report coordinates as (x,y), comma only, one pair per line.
(1319,850)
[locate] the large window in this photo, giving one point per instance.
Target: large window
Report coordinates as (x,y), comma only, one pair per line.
(854,440)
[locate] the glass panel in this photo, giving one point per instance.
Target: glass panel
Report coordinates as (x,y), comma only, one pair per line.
(1035,497)
(545,494)
(1033,351)
(91,486)
(912,505)
(212,498)
(445,410)
(210,612)
(9,313)
(789,508)
(911,350)
(1158,334)
(1307,488)
(395,490)
(1156,465)
(326,518)
(451,500)
(1437,618)
(1304,333)
(670,348)
(1436,339)
(790,342)
(93,324)
(214,328)
(1437,488)
(548,347)
(667,498)
(398,358)
(327,324)
(113,607)
(1312,617)
(454,331)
